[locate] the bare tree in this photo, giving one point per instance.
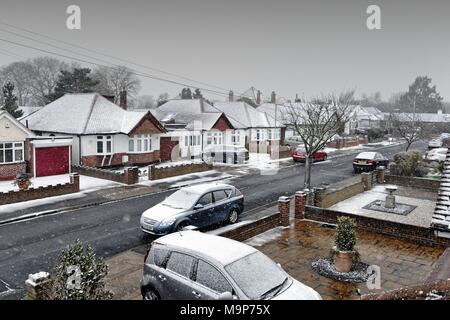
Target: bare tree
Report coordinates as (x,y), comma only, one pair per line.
(317,122)
(113,80)
(18,74)
(407,126)
(146,102)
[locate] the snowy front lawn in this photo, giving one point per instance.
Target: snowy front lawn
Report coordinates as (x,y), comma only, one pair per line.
(86,183)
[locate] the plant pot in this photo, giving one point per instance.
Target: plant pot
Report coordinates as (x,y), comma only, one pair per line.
(23,184)
(343,261)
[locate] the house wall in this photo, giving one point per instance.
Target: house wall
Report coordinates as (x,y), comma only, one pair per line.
(13,133)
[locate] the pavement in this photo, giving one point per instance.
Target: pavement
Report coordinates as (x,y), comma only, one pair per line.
(32,245)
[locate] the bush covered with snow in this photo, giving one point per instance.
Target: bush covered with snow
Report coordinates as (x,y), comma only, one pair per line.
(78,275)
(410,164)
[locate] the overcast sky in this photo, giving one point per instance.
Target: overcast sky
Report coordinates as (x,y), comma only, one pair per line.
(290,46)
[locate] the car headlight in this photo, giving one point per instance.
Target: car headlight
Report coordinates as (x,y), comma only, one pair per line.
(167,222)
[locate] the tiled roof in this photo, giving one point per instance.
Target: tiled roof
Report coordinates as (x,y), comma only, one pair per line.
(242,115)
(88,113)
(441,216)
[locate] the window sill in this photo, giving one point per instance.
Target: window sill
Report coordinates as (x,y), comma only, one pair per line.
(140,152)
(8,163)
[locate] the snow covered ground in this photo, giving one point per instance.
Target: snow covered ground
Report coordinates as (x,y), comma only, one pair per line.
(191,178)
(86,183)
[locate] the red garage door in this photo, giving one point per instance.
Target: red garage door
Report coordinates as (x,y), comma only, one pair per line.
(52,161)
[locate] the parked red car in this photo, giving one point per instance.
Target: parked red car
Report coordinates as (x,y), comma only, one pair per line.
(298,155)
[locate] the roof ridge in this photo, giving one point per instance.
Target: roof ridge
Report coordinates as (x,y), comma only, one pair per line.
(94,100)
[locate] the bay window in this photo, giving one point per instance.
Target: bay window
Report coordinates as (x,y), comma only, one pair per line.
(104,144)
(11,152)
(235,137)
(140,143)
(274,134)
(192,141)
(214,138)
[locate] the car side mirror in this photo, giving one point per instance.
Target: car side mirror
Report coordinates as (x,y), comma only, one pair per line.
(198,206)
(226,296)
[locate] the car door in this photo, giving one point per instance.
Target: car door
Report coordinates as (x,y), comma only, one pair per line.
(222,206)
(204,215)
(177,277)
(209,282)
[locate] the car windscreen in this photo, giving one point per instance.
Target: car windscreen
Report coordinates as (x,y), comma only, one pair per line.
(255,274)
(182,199)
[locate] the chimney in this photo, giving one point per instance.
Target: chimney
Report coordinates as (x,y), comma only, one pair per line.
(123,100)
(273,97)
(258,97)
(230,96)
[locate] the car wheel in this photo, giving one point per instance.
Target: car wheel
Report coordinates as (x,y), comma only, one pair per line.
(233,217)
(355,170)
(150,294)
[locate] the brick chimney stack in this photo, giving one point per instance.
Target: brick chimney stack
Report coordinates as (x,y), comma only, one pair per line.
(231,96)
(273,97)
(123,100)
(258,97)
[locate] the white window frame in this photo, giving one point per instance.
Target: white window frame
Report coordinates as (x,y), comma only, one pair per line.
(260,135)
(192,140)
(214,138)
(142,143)
(235,137)
(274,134)
(13,149)
(104,139)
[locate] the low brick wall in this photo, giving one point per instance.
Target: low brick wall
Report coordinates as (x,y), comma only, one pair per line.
(129,176)
(10,171)
(416,234)
(41,192)
(348,142)
(253,228)
(280,153)
(421,183)
(156,173)
(328,197)
(412,293)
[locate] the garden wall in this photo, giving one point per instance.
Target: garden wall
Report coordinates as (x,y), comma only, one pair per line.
(421,183)
(157,172)
(326,197)
(42,192)
(129,176)
(416,234)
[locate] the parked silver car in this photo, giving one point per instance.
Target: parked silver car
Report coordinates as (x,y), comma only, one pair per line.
(200,205)
(191,265)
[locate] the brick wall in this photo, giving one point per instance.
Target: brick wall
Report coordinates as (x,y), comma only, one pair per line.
(348,142)
(416,234)
(41,192)
(129,176)
(325,198)
(253,228)
(169,149)
(421,183)
(9,171)
(133,159)
(156,173)
(279,152)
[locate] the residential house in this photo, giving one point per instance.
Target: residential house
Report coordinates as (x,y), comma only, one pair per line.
(195,124)
(14,146)
(103,134)
(254,129)
(364,118)
(435,122)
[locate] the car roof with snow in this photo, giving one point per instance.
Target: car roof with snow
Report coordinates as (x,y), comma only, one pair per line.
(205,187)
(366,155)
(221,249)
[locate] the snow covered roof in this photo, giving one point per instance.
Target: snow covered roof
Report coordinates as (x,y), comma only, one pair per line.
(189,114)
(88,113)
(242,115)
(27,110)
(423,117)
(221,249)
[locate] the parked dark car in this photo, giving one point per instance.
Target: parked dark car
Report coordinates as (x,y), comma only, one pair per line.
(200,206)
(369,161)
(298,155)
(191,265)
(226,154)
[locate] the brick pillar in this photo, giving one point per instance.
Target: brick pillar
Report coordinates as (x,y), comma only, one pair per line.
(300,202)
(151,172)
(131,175)
(284,207)
(75,180)
(318,197)
(380,176)
(366,178)
(36,285)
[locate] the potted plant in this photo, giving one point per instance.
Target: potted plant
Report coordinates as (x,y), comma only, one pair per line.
(23,181)
(345,242)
